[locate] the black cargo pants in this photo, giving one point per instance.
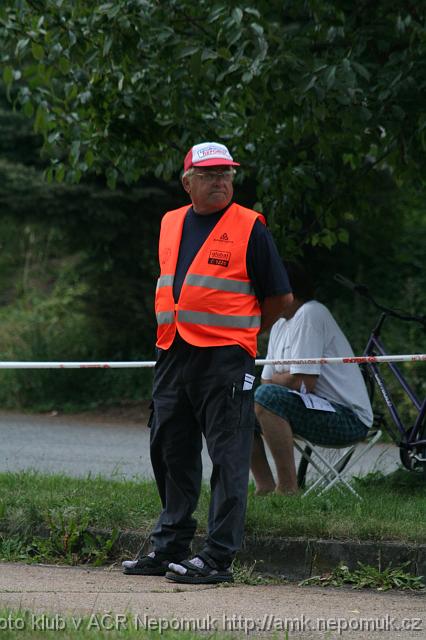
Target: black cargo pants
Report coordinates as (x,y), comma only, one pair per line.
(200,391)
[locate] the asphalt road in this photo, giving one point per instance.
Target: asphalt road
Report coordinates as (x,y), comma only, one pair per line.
(107,446)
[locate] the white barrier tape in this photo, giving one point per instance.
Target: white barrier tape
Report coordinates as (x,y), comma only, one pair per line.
(421,357)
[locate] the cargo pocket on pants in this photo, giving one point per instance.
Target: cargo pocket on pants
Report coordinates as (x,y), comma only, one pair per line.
(239,408)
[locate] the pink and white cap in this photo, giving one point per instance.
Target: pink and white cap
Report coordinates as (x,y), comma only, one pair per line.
(208,154)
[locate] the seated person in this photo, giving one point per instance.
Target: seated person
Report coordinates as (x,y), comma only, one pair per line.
(308,330)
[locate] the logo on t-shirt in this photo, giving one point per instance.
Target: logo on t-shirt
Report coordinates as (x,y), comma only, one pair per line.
(221,258)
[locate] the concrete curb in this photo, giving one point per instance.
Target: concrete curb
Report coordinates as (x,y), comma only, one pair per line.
(301,558)
(291,558)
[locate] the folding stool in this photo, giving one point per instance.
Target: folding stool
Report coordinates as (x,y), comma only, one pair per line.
(333,473)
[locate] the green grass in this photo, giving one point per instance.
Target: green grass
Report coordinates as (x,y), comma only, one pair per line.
(393,508)
(36,626)
(368,577)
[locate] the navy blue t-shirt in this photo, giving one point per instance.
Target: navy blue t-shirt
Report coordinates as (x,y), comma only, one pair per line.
(264,265)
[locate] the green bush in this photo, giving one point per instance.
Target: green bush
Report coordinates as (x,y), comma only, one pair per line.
(54,327)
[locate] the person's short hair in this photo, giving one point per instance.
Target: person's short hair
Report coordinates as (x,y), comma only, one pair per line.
(301,281)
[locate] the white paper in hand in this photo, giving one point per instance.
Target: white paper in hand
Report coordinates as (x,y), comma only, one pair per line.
(311,401)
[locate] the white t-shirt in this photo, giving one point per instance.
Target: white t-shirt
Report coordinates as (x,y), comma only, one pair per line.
(313,333)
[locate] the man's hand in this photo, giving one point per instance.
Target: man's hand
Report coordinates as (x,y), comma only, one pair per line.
(273,308)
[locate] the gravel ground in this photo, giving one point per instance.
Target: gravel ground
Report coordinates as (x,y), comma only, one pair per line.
(308,612)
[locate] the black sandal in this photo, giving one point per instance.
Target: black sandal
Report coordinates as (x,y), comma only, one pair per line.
(199,575)
(145,566)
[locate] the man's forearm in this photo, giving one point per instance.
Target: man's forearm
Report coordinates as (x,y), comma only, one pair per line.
(295,381)
(288,380)
(273,308)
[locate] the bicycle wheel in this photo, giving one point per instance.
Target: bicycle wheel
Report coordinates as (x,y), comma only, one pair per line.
(409,457)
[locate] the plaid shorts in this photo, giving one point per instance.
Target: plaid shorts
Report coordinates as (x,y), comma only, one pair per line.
(321,427)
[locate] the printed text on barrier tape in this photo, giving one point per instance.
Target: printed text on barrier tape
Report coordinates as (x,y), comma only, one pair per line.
(421,357)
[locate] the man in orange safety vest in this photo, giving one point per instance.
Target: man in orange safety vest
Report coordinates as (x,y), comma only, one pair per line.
(221,283)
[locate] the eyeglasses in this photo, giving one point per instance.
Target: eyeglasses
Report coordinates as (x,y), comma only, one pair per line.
(212,176)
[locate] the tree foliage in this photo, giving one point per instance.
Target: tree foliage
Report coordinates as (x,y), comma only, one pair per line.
(322,102)
(98,242)
(316,98)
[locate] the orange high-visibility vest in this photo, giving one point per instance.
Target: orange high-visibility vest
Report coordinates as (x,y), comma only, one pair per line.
(217,305)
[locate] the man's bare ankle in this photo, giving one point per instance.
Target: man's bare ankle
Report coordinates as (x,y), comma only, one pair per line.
(264,489)
(286,490)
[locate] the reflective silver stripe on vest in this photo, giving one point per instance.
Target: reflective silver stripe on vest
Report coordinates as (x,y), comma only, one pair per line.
(221,284)
(217,320)
(165,317)
(165,281)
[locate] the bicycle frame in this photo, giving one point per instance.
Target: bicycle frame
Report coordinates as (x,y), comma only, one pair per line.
(408,435)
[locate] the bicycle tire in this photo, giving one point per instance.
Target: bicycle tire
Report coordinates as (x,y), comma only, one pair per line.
(409,462)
